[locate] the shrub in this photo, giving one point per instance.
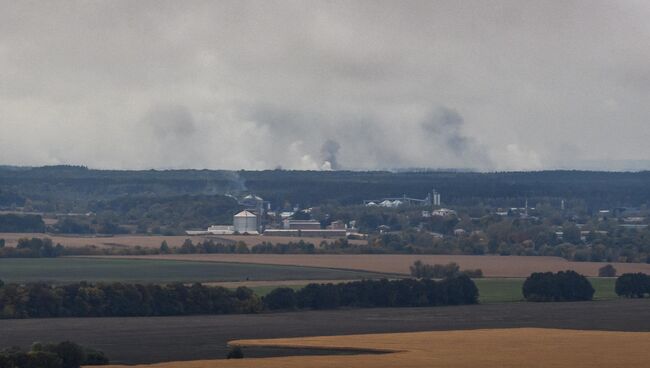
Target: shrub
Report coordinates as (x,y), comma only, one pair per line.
(62,355)
(439,271)
(235,353)
(633,285)
(71,354)
(561,286)
(475,274)
(607,271)
(43,359)
(94,357)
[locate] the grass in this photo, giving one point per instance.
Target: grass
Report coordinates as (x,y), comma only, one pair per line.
(496,290)
(509,290)
(68,270)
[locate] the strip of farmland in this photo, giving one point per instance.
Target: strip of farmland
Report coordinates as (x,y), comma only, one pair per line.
(492,266)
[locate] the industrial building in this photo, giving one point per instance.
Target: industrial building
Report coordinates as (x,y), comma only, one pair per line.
(245,222)
(321,233)
(221,230)
(432,199)
(289,224)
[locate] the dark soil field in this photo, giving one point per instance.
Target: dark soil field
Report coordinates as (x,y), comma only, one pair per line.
(68,270)
(158,339)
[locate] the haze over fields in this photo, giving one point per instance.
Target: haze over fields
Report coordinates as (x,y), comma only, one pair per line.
(506,85)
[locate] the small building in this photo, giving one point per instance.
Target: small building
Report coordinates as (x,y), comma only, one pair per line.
(443,212)
(383,229)
(221,230)
(322,233)
(245,222)
(337,225)
(460,232)
(301,224)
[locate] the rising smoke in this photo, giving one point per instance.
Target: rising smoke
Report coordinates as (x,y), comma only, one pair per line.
(329,152)
(445,126)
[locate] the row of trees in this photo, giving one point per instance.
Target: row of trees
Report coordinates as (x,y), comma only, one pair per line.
(571,286)
(118,299)
(438,271)
(65,354)
(376,293)
(31,248)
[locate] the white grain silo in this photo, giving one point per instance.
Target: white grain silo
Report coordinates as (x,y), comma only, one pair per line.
(245,223)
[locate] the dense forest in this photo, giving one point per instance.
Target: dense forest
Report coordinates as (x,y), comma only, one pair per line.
(73,189)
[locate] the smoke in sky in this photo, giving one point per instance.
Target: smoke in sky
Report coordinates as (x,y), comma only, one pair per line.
(329,152)
(505,85)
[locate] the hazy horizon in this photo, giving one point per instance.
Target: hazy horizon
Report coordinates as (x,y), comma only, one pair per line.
(364,85)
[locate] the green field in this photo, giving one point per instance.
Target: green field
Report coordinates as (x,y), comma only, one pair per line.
(497,290)
(509,290)
(68,270)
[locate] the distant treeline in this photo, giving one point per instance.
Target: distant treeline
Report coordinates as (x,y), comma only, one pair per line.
(118,299)
(43,247)
(11,223)
(65,354)
(31,248)
(38,300)
(383,244)
(72,188)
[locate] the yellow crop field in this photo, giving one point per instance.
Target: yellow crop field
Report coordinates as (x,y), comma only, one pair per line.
(492,266)
(498,348)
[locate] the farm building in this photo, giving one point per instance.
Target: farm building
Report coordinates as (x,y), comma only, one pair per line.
(301,224)
(245,222)
(321,233)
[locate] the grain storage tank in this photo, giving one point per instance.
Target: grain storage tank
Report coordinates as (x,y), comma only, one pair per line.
(245,222)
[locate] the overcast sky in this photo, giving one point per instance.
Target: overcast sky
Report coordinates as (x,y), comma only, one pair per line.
(488,85)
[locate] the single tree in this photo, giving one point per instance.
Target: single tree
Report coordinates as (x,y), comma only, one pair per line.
(164,247)
(607,271)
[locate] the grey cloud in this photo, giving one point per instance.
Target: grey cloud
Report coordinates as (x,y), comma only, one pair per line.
(170,122)
(248,84)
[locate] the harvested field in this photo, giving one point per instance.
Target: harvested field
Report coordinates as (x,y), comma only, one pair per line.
(155,240)
(160,339)
(502,348)
(492,266)
(69,269)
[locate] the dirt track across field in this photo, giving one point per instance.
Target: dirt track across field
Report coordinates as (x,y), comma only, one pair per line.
(492,266)
(160,339)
